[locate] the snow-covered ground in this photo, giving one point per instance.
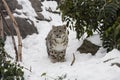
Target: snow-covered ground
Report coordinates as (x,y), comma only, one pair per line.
(85,67)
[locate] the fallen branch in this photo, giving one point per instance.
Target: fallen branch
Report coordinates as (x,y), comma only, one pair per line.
(51,11)
(45,19)
(73,61)
(109,59)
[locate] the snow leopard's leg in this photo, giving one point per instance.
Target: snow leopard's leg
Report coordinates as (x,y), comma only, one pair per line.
(53,56)
(61,56)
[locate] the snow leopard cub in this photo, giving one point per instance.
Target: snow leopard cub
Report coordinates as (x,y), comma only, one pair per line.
(56,43)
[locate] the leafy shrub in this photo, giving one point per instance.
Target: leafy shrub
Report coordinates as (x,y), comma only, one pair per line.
(88,16)
(9,70)
(111,37)
(84,15)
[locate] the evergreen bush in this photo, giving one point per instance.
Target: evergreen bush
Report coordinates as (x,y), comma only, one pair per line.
(9,70)
(89,16)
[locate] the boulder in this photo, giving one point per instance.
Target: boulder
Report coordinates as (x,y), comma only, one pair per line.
(26,27)
(88,47)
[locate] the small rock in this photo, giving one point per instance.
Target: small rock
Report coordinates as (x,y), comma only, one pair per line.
(117,64)
(40,16)
(36,4)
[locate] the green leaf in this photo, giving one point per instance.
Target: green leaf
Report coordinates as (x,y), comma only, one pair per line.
(43,74)
(88,14)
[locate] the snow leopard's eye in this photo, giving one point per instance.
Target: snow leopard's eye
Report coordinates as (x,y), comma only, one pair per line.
(61,52)
(54,31)
(60,30)
(57,35)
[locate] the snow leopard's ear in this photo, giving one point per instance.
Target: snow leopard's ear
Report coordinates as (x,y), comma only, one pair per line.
(53,26)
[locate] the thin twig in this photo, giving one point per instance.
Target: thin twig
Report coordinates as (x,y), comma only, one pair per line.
(28,69)
(51,11)
(109,59)
(73,61)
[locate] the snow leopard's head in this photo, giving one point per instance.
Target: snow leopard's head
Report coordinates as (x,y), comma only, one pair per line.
(59,32)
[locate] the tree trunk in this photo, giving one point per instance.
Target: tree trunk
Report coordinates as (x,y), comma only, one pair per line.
(1,28)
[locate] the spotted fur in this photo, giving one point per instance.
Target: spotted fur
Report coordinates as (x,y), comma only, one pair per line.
(56,43)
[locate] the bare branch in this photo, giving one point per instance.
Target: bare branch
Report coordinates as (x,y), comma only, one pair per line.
(73,61)
(1,27)
(16,29)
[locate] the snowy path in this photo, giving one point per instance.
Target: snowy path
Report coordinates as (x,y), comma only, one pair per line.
(86,66)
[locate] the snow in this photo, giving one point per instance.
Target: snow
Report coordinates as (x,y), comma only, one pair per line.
(85,67)
(95,39)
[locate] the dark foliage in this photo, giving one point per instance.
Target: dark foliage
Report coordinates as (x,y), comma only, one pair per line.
(9,70)
(88,16)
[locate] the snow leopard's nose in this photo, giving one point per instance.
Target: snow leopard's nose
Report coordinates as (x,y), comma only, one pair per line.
(58,36)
